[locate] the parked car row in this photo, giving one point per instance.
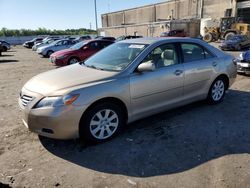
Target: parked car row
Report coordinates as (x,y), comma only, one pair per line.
(70,50)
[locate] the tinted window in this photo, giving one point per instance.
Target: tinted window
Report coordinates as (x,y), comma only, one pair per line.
(59,43)
(65,42)
(104,44)
(163,56)
(93,45)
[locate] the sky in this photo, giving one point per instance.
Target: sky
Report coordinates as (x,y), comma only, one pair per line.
(60,14)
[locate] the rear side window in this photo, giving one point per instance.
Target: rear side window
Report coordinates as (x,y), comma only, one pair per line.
(194,52)
(104,44)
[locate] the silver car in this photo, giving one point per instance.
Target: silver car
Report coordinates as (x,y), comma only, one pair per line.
(43,44)
(124,82)
(55,46)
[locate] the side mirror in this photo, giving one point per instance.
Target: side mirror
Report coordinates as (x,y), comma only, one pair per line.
(145,67)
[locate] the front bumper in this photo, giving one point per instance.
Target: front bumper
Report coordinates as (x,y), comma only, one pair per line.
(227,47)
(59,122)
(243,67)
(58,62)
(43,53)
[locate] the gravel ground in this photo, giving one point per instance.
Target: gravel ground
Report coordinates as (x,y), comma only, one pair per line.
(198,145)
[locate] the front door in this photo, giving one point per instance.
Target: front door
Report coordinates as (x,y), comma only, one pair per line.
(154,91)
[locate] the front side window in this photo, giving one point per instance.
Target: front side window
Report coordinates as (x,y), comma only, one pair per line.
(163,56)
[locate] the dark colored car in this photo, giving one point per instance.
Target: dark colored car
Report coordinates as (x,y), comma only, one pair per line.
(174,33)
(243,63)
(82,38)
(30,44)
(106,38)
(78,52)
(127,37)
(237,42)
(1,48)
(5,45)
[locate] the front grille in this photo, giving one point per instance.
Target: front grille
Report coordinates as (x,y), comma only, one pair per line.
(26,99)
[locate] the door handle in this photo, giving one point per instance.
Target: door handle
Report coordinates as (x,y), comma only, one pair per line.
(178,72)
(214,64)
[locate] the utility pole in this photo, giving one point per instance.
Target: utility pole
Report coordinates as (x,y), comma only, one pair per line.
(96,17)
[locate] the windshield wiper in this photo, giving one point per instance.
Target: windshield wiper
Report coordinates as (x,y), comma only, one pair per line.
(94,67)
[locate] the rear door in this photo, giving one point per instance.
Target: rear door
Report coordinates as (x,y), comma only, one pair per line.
(199,66)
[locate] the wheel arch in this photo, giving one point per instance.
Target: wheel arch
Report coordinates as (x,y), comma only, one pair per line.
(73,56)
(113,100)
(225,78)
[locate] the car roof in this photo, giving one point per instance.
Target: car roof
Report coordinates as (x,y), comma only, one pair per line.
(99,39)
(151,40)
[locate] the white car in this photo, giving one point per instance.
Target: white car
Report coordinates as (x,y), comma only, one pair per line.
(46,51)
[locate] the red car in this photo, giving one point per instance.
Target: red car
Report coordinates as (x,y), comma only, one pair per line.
(78,52)
(174,33)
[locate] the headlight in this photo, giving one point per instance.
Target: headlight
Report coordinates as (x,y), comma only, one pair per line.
(241,57)
(56,101)
(61,57)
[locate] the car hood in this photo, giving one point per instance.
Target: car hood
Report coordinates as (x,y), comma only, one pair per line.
(61,79)
(230,42)
(63,52)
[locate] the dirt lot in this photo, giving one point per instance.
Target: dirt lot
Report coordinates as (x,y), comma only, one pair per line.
(198,145)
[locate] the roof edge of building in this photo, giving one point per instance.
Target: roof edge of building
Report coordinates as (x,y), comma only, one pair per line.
(149,5)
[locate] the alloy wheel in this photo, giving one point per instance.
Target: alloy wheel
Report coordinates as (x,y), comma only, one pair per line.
(218,90)
(104,124)
(73,61)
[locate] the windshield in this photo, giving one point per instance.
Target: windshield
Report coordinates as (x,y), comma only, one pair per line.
(115,57)
(78,45)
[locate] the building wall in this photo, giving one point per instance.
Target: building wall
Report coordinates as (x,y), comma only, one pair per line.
(149,16)
(216,9)
(191,27)
(179,9)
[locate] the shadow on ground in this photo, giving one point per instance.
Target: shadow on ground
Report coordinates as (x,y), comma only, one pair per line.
(8,61)
(6,55)
(170,142)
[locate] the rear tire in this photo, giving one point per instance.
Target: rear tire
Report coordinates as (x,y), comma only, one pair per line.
(217,91)
(49,53)
(101,122)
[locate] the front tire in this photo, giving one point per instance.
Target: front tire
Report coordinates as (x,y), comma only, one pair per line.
(73,60)
(49,53)
(217,91)
(229,35)
(208,37)
(101,122)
